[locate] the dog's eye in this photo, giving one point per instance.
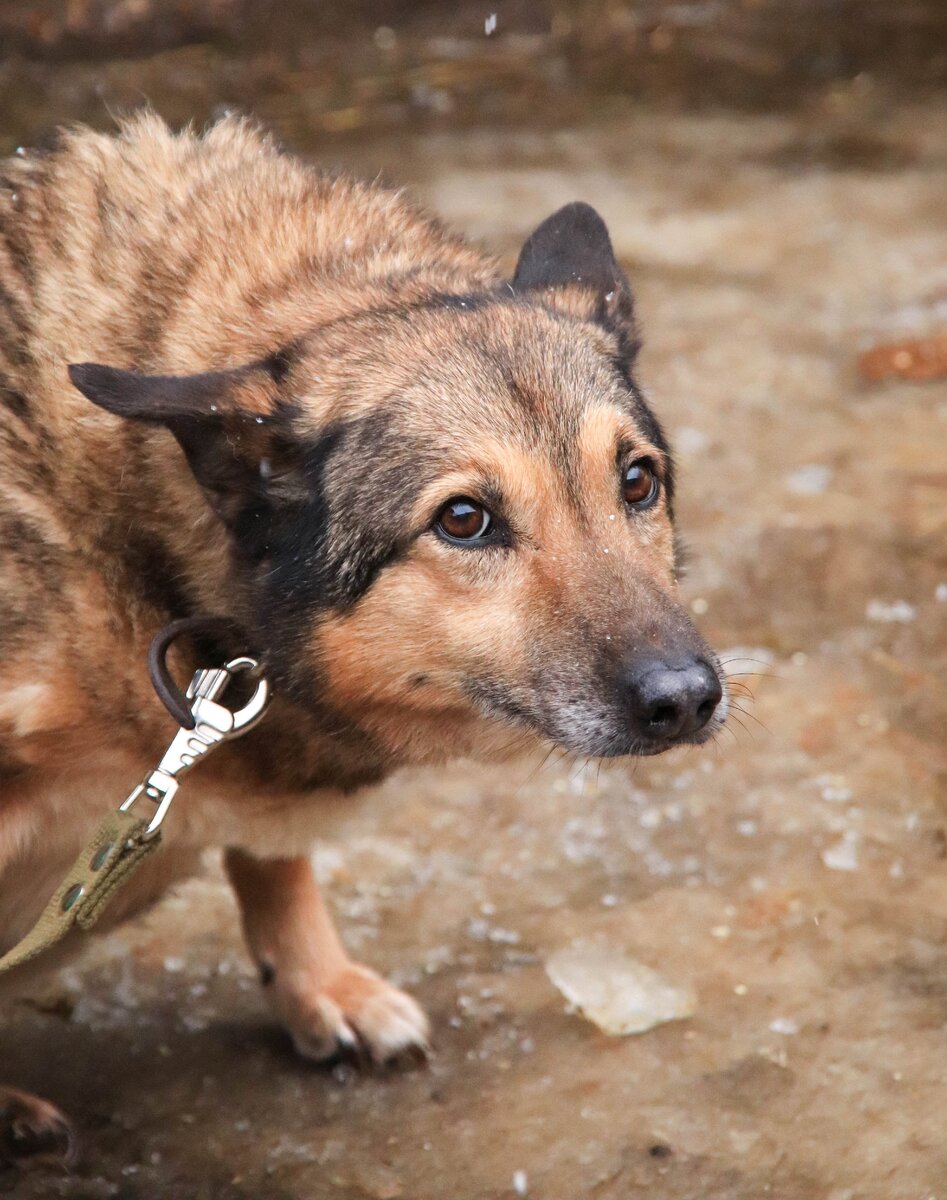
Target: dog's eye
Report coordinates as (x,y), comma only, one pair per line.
(463,520)
(640,485)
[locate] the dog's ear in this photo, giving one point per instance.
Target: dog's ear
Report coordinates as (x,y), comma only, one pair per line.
(568,262)
(230,425)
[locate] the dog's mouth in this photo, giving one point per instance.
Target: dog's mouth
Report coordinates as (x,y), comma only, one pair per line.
(618,744)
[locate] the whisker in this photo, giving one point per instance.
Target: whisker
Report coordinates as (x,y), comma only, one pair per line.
(748,732)
(521,739)
(751,716)
(581,767)
(542,765)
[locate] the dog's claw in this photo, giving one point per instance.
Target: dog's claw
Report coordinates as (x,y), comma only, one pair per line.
(358,1015)
(32,1130)
(326,1036)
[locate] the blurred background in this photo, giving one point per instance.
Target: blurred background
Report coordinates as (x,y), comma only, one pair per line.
(315,71)
(774,173)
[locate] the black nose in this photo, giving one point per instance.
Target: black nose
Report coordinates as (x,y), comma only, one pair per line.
(672,700)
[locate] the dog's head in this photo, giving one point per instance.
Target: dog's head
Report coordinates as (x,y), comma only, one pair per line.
(454,517)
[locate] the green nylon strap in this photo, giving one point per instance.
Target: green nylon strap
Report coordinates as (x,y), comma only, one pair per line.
(111,857)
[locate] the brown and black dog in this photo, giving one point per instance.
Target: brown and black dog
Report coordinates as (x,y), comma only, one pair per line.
(435,497)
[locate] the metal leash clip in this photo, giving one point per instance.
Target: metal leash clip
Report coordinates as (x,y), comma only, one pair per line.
(214,724)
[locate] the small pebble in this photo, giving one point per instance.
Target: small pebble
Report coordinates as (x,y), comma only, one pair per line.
(385,38)
(810,480)
(843,854)
(887,613)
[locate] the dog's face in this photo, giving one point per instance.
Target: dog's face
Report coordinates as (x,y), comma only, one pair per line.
(455,518)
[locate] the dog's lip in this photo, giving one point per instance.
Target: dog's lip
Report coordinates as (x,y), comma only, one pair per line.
(645,750)
(626,750)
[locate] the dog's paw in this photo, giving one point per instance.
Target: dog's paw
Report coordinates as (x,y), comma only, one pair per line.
(32,1129)
(357,1012)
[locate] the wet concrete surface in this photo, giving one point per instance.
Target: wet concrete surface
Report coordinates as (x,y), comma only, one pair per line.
(794,874)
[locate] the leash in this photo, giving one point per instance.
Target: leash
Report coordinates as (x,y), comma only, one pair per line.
(126,838)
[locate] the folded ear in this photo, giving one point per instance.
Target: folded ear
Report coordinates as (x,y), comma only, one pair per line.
(569,262)
(229,425)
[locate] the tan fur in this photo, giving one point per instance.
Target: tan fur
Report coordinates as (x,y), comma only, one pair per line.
(177,255)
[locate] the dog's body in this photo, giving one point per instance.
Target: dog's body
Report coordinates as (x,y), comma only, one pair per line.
(343,376)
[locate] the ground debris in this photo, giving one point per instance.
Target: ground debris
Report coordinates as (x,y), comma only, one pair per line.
(843,854)
(618,994)
(914,358)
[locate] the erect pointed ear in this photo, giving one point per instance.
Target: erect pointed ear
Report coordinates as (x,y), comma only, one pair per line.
(229,425)
(569,262)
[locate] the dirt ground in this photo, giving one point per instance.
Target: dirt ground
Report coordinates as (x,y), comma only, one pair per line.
(794,873)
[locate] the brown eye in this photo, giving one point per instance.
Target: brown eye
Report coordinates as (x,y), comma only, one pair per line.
(640,485)
(463,520)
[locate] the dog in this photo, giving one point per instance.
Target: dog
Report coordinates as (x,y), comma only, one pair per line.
(435,496)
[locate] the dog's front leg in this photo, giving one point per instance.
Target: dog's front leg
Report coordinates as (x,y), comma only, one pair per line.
(327,1002)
